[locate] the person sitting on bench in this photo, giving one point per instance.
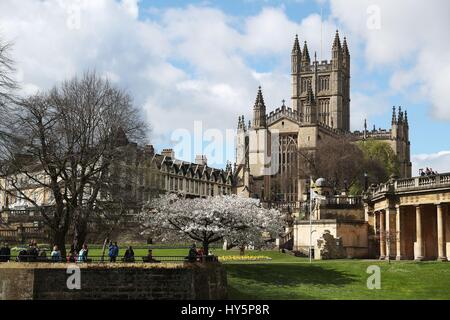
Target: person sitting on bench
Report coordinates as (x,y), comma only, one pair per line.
(149,258)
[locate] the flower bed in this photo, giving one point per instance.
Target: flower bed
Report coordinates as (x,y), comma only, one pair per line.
(243,258)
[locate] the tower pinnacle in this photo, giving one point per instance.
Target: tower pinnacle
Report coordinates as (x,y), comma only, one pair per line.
(306,60)
(337,41)
(259,111)
(296,48)
(394,116)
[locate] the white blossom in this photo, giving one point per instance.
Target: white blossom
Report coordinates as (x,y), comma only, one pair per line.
(241,221)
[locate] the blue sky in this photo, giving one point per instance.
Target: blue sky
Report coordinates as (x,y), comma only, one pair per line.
(187,61)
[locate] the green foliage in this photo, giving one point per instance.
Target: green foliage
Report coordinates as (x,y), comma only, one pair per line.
(380,160)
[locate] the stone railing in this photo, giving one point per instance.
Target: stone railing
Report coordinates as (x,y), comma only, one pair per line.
(343,201)
(377,134)
(416,183)
(283,206)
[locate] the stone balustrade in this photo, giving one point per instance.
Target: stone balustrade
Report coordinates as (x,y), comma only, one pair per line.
(415,183)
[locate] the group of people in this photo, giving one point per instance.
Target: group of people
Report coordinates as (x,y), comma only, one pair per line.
(113,253)
(34,254)
(427,172)
(74,255)
(196,254)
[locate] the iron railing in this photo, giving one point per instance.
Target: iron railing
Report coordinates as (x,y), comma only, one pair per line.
(106,259)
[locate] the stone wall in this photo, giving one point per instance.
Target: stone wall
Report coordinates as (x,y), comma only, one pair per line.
(354,235)
(114,282)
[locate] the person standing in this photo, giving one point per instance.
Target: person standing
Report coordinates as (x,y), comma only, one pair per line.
(83,254)
(5,253)
(113,251)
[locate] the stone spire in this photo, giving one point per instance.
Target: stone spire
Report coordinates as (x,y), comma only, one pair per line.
(336,52)
(259,98)
(259,111)
(296,57)
(400,115)
(296,48)
(306,60)
(241,123)
(337,41)
(345,50)
(394,116)
(345,55)
(406,117)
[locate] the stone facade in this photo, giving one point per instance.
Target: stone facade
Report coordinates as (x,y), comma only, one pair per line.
(151,175)
(410,218)
(134,282)
(267,147)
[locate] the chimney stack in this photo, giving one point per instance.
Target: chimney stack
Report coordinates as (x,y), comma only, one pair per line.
(201,160)
(168,153)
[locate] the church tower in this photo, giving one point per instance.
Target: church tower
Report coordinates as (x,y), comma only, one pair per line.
(330,83)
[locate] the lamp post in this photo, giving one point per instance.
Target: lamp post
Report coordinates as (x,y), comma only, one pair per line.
(310,206)
(366,181)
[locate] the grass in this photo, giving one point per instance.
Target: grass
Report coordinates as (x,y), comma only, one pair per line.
(337,279)
(286,277)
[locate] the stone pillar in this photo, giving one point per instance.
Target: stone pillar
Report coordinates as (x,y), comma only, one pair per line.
(398,234)
(382,236)
(388,234)
(419,240)
(442,255)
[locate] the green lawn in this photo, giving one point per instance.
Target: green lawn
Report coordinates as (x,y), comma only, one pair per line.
(338,279)
(288,277)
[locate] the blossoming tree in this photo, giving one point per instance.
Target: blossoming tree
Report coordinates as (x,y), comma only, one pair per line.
(241,221)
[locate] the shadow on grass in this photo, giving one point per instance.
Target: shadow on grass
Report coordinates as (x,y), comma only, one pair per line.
(290,275)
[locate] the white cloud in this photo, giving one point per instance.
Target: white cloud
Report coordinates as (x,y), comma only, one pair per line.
(186,64)
(364,107)
(411,41)
(439,161)
(195,63)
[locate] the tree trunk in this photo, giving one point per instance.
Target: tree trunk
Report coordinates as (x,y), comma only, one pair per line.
(242,250)
(58,238)
(104,248)
(205,248)
(80,234)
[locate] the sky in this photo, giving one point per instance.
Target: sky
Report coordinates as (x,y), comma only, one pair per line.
(193,67)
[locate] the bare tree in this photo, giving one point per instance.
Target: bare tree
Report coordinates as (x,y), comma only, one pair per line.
(65,141)
(339,161)
(7,82)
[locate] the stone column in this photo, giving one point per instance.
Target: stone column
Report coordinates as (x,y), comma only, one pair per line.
(419,240)
(442,255)
(398,234)
(382,236)
(388,235)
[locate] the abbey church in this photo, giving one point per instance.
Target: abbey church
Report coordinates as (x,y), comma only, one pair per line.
(267,147)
